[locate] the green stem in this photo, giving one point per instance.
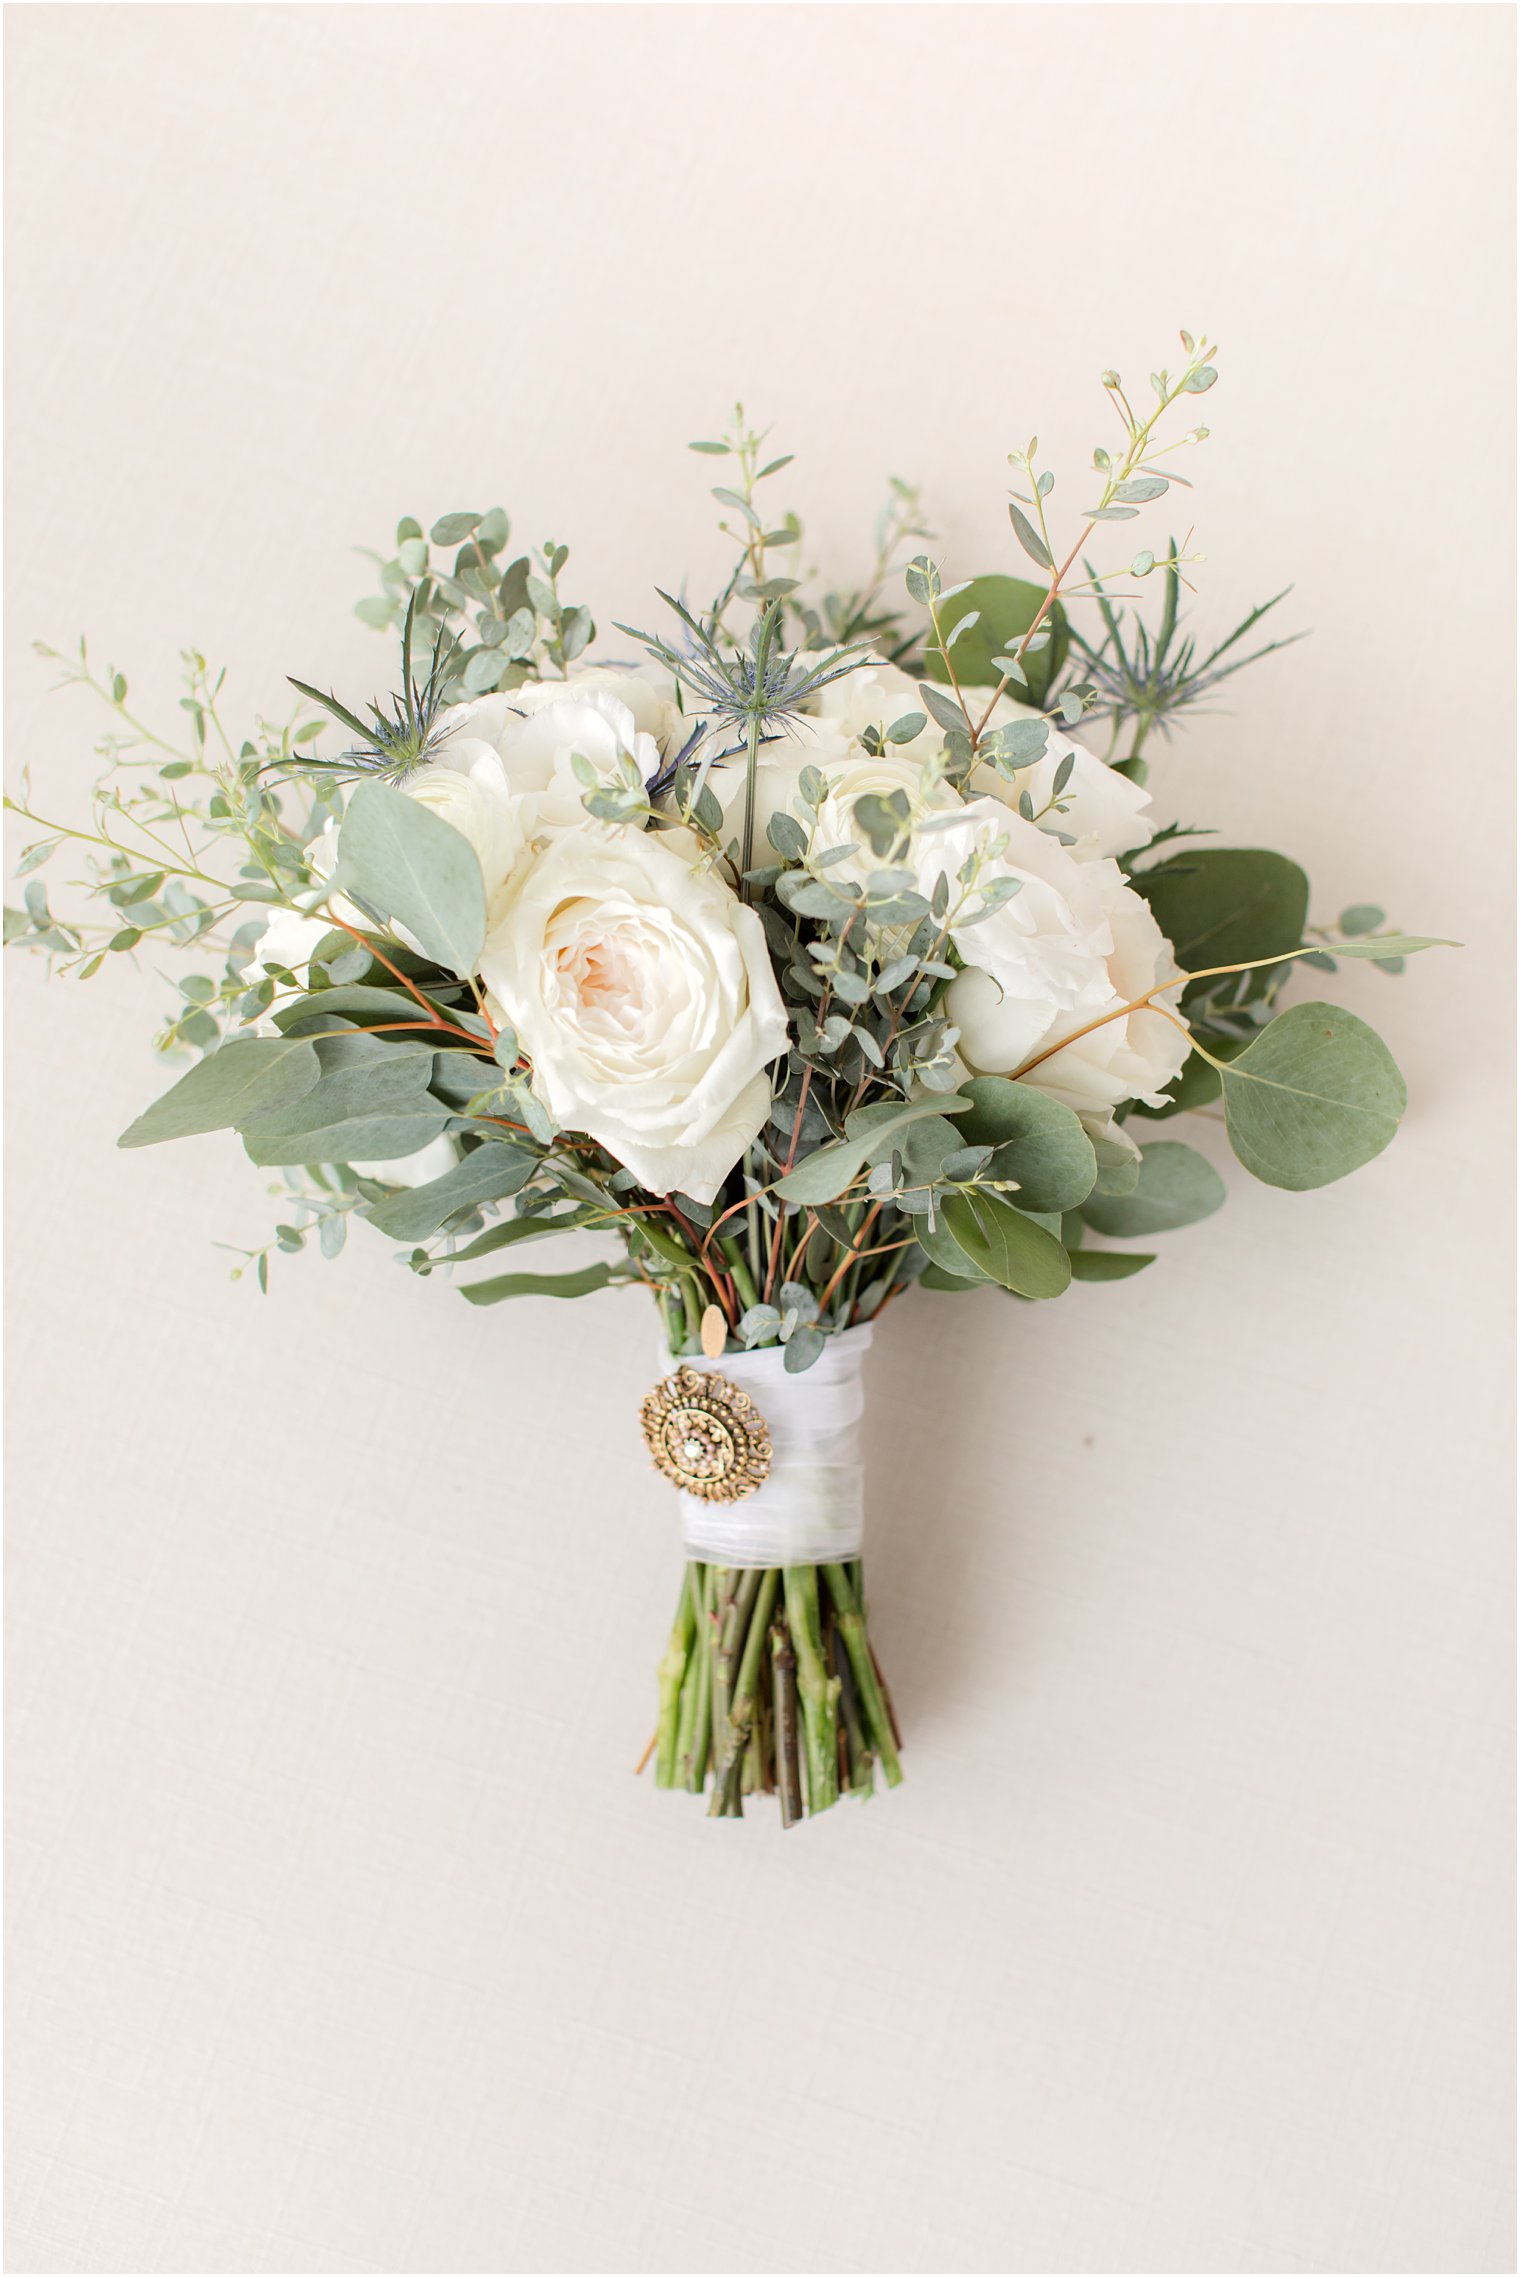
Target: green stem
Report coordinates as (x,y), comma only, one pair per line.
(696,1708)
(733,1628)
(731,1640)
(817,1689)
(733,1257)
(784,1723)
(727,1767)
(672,1675)
(715,1630)
(751,765)
(852,1628)
(857,1748)
(693,1309)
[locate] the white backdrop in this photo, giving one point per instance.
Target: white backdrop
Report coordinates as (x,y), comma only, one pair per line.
(342,1936)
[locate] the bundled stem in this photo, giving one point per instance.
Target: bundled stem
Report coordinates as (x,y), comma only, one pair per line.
(768,1685)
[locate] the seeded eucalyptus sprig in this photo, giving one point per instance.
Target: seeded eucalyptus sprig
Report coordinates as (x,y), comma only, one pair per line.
(749,580)
(506,625)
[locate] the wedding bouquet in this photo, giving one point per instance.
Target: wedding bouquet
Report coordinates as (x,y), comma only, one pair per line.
(799,946)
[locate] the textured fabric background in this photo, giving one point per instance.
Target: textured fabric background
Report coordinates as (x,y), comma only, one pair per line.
(343,1937)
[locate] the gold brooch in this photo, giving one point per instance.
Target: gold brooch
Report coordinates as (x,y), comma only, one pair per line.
(706,1435)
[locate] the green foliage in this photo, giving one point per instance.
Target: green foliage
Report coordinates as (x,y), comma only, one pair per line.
(1175,1187)
(1039,1144)
(1221,905)
(246,1079)
(1108,1264)
(1001,611)
(493,623)
(407,864)
(1314,1097)
(580,1284)
(977,1234)
(832,1170)
(879,1163)
(490,1174)
(356,1114)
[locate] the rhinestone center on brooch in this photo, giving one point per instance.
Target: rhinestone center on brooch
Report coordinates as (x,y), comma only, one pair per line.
(706,1436)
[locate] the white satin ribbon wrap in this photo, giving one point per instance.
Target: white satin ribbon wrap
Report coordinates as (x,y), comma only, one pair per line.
(811,1509)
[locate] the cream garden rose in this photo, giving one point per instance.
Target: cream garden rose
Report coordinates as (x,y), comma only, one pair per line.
(1104,813)
(849,771)
(1133,1056)
(1101,812)
(288,940)
(537,731)
(876,695)
(642,993)
(1073,943)
(468,789)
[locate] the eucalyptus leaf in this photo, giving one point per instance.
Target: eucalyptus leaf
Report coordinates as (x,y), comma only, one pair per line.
(1040,1143)
(1118,1167)
(1313,1097)
(459,1076)
(512,1231)
(354,1002)
(1175,1187)
(1109,1264)
(384,1135)
(924,1146)
(400,858)
(935,1276)
(251,1076)
(823,1176)
(1223,905)
(489,1174)
(977,1233)
(401,1064)
(578,1284)
(373,1107)
(1393,945)
(452,529)
(1029,538)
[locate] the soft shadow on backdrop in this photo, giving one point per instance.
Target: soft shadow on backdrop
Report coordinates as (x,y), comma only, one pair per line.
(342,1936)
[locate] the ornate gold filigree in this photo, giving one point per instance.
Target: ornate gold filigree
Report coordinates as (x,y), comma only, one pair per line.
(706,1435)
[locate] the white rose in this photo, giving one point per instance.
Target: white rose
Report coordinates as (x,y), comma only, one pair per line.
(862,776)
(538,730)
(1045,947)
(469,792)
(850,774)
(876,695)
(1103,812)
(419,1169)
(475,799)
(647,690)
(642,993)
(288,940)
(1020,996)
(800,743)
